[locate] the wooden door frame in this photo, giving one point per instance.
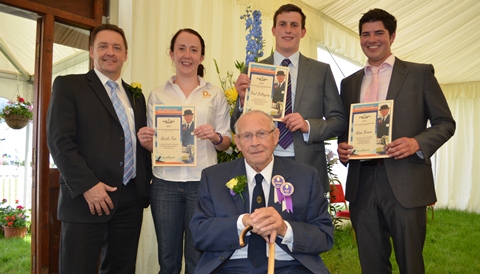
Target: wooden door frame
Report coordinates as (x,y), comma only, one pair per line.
(44,259)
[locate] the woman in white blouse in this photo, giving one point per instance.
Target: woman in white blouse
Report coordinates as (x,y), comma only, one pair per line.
(173,193)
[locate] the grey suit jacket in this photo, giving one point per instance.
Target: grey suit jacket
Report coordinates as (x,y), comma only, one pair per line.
(86,141)
(316,98)
(214,223)
(418,99)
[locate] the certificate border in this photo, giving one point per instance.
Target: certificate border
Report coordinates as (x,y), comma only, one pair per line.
(175,111)
(367,108)
(268,70)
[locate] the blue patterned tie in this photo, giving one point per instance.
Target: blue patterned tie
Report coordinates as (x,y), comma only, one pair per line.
(286,137)
(257,246)
(122,116)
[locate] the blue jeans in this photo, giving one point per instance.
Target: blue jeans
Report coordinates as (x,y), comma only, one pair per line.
(172,205)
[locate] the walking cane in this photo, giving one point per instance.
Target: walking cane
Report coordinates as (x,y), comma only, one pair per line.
(271,249)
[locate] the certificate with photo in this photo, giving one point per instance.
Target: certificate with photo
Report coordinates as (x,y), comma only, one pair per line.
(174,142)
(268,89)
(370,129)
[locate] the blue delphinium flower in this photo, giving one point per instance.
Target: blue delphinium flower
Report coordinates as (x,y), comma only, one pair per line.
(255,43)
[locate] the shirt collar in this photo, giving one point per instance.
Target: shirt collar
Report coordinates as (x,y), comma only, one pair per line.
(266,173)
(294,58)
(388,63)
(202,82)
(103,78)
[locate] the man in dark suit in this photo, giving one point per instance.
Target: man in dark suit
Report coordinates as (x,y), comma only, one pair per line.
(383,123)
(300,235)
(388,197)
(317,113)
(105,172)
(187,128)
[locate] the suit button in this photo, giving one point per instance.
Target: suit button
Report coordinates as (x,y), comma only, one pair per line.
(222,258)
(120,138)
(121,164)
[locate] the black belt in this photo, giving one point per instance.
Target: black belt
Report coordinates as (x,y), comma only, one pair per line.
(373,162)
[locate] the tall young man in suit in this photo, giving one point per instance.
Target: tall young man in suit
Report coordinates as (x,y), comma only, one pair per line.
(317,113)
(105,173)
(388,197)
(300,235)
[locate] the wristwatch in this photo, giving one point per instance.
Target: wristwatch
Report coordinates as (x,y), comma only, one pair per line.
(221,139)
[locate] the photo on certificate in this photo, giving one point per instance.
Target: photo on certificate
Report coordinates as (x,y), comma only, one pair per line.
(370,129)
(268,89)
(174,142)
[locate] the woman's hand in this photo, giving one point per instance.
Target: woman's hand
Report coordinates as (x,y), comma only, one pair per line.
(145,137)
(206,132)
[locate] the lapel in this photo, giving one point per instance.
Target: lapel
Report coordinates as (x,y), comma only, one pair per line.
(399,73)
(242,205)
(129,93)
(101,93)
(357,84)
(279,168)
(303,70)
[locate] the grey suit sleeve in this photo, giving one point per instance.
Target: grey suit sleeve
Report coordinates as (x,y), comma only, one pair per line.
(235,115)
(438,113)
(236,112)
(335,122)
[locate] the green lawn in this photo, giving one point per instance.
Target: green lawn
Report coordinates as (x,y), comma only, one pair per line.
(451,247)
(15,255)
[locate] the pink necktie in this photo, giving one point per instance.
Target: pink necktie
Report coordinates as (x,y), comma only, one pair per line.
(372,90)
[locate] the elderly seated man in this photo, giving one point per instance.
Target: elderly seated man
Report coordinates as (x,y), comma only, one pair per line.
(292,216)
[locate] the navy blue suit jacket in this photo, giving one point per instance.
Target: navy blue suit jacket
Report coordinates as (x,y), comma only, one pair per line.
(214,223)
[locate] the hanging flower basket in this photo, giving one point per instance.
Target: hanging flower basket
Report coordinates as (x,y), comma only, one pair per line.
(11,232)
(16,121)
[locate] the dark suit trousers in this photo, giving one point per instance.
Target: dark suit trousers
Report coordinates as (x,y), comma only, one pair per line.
(376,216)
(116,240)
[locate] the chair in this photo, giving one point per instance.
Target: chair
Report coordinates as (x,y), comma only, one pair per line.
(337,196)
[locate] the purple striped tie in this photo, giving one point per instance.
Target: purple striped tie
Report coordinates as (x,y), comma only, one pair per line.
(286,137)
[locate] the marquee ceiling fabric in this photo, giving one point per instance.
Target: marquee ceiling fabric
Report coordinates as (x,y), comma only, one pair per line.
(444,33)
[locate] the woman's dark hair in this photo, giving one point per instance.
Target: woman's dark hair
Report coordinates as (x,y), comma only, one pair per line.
(388,20)
(201,68)
(108,27)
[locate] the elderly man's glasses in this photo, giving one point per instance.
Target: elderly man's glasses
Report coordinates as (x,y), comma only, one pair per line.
(247,137)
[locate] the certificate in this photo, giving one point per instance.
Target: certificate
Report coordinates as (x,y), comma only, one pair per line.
(268,89)
(370,129)
(174,142)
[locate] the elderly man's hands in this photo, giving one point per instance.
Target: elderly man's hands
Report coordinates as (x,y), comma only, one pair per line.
(266,222)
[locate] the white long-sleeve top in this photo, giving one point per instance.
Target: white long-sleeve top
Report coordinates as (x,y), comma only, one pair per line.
(210,108)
